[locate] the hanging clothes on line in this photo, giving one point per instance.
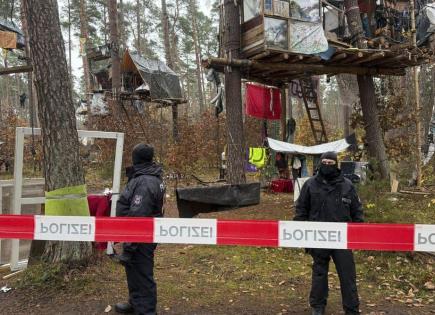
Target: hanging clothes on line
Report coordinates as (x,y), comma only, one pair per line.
(263,102)
(257,157)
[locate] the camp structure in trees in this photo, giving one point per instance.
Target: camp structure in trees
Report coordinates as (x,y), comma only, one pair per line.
(12,37)
(143,80)
(284,40)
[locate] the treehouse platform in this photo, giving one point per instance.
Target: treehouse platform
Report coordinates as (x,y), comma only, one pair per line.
(276,68)
(284,40)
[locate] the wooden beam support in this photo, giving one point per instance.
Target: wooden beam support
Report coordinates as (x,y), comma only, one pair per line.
(298,58)
(261,55)
(19,69)
(356,56)
(337,57)
(369,58)
(302,68)
(314,59)
(278,58)
(400,58)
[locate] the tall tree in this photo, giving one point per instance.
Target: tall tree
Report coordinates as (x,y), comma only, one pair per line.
(170,63)
(84,41)
(114,48)
(374,139)
(62,166)
(121,26)
(418,144)
(166,39)
(348,89)
(233,96)
(33,102)
(138,28)
(193,14)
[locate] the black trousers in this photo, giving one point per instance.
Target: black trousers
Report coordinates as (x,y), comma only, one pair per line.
(142,288)
(345,265)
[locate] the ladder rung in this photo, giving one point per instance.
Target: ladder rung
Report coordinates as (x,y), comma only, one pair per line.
(312,108)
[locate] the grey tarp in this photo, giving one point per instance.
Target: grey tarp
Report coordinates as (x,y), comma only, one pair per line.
(426,23)
(162,81)
(336,146)
(194,200)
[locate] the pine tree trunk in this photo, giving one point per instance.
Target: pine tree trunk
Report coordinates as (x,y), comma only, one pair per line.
(69,44)
(114,48)
(62,166)
(170,63)
(166,41)
(193,12)
(33,102)
(121,28)
(138,31)
(348,90)
(84,34)
(375,141)
(233,97)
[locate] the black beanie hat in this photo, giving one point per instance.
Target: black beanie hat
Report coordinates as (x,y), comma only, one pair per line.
(329,155)
(142,153)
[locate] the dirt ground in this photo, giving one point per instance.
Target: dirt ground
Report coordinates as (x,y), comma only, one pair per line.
(223,280)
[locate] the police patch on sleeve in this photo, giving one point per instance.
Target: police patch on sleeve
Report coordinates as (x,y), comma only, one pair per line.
(137,199)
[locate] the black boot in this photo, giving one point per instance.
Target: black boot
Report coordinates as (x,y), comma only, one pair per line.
(317,311)
(125,258)
(124,308)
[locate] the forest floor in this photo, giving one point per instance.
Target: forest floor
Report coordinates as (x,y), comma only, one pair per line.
(244,280)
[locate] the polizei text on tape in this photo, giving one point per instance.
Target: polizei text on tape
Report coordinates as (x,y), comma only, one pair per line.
(63,228)
(424,238)
(185,231)
(312,234)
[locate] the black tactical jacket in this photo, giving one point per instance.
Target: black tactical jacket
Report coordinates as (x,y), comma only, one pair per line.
(143,196)
(328,201)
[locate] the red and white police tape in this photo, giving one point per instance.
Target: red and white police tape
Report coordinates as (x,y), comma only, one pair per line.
(360,236)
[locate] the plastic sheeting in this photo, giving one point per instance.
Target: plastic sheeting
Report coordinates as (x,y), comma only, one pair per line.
(251,9)
(163,83)
(191,201)
(276,31)
(305,10)
(336,146)
(426,23)
(307,38)
(98,105)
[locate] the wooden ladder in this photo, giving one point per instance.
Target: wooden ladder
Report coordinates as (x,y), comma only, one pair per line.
(309,96)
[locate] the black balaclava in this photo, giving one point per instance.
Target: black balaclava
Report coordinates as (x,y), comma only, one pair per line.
(142,153)
(329,172)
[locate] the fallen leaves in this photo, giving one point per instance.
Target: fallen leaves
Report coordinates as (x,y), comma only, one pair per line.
(429,285)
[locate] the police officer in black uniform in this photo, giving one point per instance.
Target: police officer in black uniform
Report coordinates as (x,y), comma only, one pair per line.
(142,197)
(329,197)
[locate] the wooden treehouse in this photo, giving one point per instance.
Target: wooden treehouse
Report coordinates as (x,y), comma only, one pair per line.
(143,82)
(287,40)
(142,79)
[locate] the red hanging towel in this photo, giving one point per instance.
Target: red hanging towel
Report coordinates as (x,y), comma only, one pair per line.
(263,102)
(99,206)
